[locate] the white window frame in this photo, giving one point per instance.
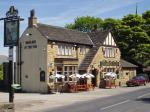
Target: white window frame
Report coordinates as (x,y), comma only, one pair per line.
(64,50)
(109,52)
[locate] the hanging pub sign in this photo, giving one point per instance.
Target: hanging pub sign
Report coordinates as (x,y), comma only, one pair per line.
(11,33)
(11,28)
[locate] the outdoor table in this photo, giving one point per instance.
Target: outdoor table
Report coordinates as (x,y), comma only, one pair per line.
(110,84)
(81,87)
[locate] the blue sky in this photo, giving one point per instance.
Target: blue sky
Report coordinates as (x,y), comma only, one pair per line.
(61,12)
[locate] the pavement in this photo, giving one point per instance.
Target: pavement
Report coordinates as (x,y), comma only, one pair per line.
(33,102)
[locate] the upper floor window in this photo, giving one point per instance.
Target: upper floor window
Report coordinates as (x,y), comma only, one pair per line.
(64,50)
(82,50)
(109,52)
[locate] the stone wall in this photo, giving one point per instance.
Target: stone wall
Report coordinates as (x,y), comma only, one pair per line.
(7,107)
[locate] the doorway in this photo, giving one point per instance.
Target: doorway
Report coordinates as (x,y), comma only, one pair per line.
(94,79)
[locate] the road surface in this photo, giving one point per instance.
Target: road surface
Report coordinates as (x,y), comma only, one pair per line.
(137,101)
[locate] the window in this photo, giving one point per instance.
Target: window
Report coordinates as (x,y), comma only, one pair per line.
(69,70)
(59,70)
(65,73)
(70,51)
(109,52)
(106,52)
(82,50)
(64,50)
(109,69)
(59,50)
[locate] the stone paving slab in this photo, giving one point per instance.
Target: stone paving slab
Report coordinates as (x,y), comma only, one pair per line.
(6,107)
(31,102)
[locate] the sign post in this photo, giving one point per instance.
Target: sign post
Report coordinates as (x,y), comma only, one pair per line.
(10,77)
(11,37)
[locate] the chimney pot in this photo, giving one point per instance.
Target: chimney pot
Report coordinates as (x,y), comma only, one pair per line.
(32,13)
(32,21)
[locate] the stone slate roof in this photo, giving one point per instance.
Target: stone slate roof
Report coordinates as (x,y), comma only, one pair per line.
(126,64)
(61,34)
(97,38)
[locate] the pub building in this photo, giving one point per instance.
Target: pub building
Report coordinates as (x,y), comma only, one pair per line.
(45,50)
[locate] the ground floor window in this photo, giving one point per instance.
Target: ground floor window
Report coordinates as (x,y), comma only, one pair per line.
(67,71)
(59,70)
(109,70)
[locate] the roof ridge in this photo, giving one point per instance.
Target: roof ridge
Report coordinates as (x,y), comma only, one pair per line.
(61,34)
(62,28)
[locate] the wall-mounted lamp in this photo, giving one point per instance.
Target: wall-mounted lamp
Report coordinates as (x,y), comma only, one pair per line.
(75,45)
(53,43)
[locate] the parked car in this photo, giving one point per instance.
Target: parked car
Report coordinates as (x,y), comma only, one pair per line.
(145,76)
(136,81)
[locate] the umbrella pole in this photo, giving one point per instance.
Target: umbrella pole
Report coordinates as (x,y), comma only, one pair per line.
(56,86)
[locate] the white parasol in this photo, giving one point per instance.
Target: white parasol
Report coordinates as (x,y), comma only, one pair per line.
(111,74)
(88,75)
(57,76)
(76,75)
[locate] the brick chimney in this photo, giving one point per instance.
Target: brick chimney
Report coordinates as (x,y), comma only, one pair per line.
(32,20)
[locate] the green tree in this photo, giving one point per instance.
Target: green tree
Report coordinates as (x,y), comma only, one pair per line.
(132,20)
(85,24)
(132,33)
(110,23)
(1,72)
(146,15)
(146,26)
(70,26)
(141,54)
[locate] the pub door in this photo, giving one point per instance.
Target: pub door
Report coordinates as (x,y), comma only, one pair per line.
(94,80)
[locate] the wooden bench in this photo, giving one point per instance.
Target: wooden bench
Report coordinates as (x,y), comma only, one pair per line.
(81,87)
(73,88)
(110,85)
(85,87)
